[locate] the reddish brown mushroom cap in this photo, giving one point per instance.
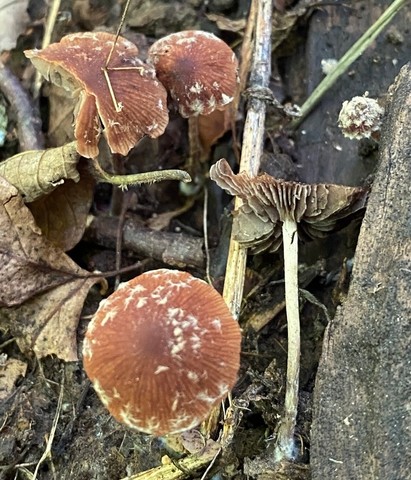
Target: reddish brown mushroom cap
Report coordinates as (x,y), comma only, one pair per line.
(161,351)
(198,70)
(76,63)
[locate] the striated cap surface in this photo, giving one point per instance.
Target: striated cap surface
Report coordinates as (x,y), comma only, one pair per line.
(162,351)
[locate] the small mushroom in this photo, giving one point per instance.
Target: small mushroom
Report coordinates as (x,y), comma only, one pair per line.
(162,351)
(360,117)
(199,70)
(125,97)
(273,209)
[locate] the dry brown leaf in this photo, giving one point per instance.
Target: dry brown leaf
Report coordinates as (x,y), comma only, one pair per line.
(62,215)
(29,263)
(10,371)
(47,323)
(212,127)
(38,172)
(283,23)
(225,23)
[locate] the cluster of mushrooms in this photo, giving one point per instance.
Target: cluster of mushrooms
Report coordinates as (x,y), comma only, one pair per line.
(127,98)
(164,349)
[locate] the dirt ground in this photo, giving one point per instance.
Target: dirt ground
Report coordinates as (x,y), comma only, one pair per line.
(51,421)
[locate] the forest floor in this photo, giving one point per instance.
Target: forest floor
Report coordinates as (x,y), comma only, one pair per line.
(52,424)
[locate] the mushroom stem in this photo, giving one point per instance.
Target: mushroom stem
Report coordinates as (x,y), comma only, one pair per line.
(123,181)
(285,447)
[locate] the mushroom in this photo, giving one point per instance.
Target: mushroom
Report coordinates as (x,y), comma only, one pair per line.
(199,70)
(130,102)
(273,208)
(162,351)
(360,117)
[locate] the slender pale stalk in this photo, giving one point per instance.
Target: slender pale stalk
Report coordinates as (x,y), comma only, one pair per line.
(285,446)
(124,181)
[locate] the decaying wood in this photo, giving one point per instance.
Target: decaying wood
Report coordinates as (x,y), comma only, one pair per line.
(252,147)
(361,425)
(176,249)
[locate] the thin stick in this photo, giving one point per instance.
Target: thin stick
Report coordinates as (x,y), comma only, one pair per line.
(205,233)
(47,451)
(117,105)
(28,117)
(285,446)
(123,181)
(252,146)
(348,58)
(123,17)
(48,31)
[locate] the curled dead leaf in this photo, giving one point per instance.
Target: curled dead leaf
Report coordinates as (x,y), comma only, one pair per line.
(225,23)
(62,214)
(47,323)
(37,172)
(29,263)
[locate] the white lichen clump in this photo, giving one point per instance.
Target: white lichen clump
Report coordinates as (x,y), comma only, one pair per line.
(328,65)
(360,117)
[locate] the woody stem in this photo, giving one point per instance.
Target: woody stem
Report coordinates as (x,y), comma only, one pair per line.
(123,181)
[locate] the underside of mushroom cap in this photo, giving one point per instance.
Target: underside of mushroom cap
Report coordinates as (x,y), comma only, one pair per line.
(317,208)
(76,64)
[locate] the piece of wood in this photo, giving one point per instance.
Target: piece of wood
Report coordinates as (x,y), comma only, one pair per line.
(362,414)
(326,156)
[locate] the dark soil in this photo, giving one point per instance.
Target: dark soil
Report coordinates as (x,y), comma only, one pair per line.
(88,444)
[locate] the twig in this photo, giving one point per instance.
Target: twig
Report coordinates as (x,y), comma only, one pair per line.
(119,236)
(205,233)
(123,181)
(175,249)
(348,58)
(48,31)
(252,148)
(47,451)
(28,118)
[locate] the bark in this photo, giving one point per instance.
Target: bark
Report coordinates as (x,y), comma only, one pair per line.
(362,415)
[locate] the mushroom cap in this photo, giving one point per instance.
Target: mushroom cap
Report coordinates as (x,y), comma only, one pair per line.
(162,351)
(76,62)
(316,208)
(199,70)
(360,117)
